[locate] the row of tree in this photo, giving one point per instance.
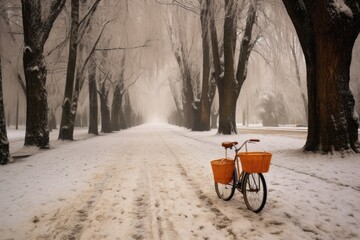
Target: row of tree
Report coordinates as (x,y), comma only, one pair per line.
(326,30)
(222,34)
(218,62)
(85,55)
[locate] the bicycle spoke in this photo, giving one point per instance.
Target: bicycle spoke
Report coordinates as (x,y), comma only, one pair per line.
(225,191)
(254,190)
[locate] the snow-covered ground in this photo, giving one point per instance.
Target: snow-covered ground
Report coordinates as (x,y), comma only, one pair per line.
(155,182)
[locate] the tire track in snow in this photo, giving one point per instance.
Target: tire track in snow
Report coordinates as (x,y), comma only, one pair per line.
(221,221)
(69,222)
(279,228)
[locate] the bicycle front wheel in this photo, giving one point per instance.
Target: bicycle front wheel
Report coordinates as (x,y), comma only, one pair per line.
(226,191)
(254,191)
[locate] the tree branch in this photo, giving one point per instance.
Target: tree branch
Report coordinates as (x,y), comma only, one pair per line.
(146,44)
(93,48)
(85,22)
(46,26)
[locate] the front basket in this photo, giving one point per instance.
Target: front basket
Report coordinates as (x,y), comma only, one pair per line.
(223,170)
(255,162)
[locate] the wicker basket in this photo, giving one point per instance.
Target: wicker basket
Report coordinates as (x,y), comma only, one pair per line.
(255,162)
(223,170)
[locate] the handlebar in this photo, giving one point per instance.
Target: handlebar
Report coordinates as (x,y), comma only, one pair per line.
(245,143)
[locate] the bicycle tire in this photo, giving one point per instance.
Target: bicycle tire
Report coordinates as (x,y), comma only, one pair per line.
(226,191)
(254,191)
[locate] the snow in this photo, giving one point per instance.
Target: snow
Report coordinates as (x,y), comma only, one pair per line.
(34,68)
(341,7)
(155,182)
(28,48)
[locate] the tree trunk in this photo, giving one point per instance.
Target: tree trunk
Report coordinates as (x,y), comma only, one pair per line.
(202,109)
(36,31)
(17,112)
(327,38)
(338,124)
(93,101)
(227,111)
(227,96)
(178,114)
(104,109)
(214,118)
(52,120)
(182,58)
(229,85)
(4,143)
(37,132)
(124,119)
(66,126)
(116,108)
(246,46)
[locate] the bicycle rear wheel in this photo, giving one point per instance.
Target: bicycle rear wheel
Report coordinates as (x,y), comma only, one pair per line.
(226,191)
(254,191)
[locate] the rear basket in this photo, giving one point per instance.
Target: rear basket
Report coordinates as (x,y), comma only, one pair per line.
(223,170)
(255,162)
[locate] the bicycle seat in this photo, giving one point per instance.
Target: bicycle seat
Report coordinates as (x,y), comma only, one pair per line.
(229,144)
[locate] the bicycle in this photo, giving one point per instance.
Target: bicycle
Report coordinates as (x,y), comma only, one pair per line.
(250,181)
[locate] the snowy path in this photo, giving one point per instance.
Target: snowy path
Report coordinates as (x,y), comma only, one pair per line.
(155,182)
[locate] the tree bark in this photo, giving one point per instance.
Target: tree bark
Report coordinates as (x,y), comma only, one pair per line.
(178,115)
(202,109)
(104,109)
(123,117)
(116,107)
(36,32)
(93,101)
(127,113)
(66,126)
(4,143)
(327,36)
(214,117)
(227,96)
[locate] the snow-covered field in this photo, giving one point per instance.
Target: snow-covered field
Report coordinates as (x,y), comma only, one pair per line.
(155,182)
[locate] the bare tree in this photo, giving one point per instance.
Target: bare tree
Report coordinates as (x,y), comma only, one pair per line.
(74,77)
(203,106)
(66,127)
(189,73)
(93,101)
(228,79)
(104,108)
(118,97)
